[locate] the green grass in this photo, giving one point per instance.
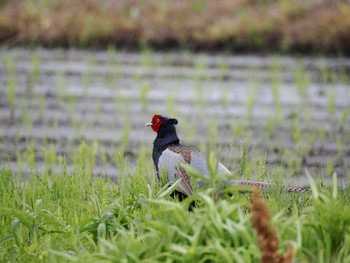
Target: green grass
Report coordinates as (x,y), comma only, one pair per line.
(144,91)
(35,72)
(11,84)
(73,217)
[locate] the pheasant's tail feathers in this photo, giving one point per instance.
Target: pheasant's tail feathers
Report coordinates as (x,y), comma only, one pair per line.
(298,189)
(259,185)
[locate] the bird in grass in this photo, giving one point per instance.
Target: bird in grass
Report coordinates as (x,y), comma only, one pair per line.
(168,154)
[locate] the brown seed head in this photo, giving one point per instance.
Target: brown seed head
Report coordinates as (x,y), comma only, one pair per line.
(268,240)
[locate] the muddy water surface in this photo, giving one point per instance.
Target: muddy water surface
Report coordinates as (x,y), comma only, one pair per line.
(292,112)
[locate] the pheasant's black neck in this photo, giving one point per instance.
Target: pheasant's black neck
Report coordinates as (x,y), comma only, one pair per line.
(166,136)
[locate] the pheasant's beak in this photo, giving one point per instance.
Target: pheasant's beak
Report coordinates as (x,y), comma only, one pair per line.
(148,124)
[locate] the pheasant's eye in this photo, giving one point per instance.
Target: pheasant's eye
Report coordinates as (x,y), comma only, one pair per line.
(157,120)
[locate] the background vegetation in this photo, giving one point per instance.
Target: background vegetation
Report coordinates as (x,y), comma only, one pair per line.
(250,25)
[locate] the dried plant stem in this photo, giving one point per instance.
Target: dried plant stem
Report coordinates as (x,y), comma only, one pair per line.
(268,239)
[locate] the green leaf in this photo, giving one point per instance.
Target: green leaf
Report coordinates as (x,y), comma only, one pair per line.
(194,173)
(243,163)
(83,222)
(313,187)
(3,239)
(101,230)
(335,186)
(212,166)
(51,218)
(63,255)
(169,189)
(22,216)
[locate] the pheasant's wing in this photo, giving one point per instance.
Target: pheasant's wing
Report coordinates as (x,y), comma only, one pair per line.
(185,186)
(169,161)
(190,155)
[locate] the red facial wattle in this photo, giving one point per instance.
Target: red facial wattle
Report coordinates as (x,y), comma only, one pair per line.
(157,121)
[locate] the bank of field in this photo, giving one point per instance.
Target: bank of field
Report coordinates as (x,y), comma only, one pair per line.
(320,26)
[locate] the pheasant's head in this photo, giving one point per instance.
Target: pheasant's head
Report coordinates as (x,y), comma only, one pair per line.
(158,121)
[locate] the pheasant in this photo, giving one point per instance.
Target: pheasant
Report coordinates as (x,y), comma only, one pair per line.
(168,153)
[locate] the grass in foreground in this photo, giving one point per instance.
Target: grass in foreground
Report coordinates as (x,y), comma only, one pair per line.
(75,217)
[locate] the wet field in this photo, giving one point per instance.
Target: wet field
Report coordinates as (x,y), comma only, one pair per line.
(292,113)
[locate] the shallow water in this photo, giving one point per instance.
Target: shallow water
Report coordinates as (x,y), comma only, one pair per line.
(291,111)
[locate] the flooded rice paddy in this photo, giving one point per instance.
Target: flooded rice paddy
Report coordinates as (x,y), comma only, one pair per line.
(292,113)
